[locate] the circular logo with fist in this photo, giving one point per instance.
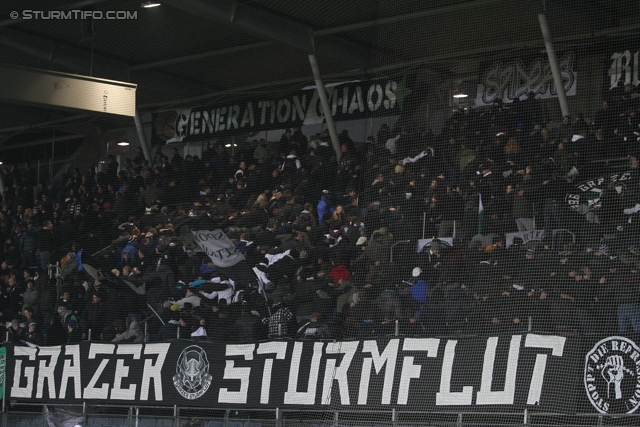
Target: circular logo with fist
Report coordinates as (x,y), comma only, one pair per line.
(611,376)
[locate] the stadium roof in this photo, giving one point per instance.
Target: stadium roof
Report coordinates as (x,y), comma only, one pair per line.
(197,52)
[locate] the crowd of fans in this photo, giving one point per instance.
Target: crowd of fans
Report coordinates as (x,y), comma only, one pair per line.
(330,246)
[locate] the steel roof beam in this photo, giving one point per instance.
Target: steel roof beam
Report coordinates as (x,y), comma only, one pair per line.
(274,27)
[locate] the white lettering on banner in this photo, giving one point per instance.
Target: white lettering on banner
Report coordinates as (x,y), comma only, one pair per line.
(122,371)
(247,117)
(356,101)
(27,390)
(611,376)
(389,90)
(588,198)
(218,247)
(233,373)
(513,80)
(487,397)
(114,371)
(411,371)
(153,371)
(339,374)
(292,396)
(182,122)
(280,350)
(314,113)
(624,69)
(46,370)
(47,362)
(532,235)
(71,371)
(344,100)
(91,391)
(445,396)
(526,236)
(556,345)
(374,101)
(388,357)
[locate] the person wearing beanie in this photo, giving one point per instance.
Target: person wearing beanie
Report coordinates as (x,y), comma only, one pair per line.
(66,315)
(15,332)
(34,335)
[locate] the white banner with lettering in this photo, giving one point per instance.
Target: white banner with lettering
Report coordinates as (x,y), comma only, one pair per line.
(532,235)
(218,247)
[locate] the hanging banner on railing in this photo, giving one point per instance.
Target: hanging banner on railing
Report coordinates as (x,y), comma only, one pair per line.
(545,372)
(513,80)
(349,101)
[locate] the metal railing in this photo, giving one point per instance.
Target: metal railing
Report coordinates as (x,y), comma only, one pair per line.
(175,416)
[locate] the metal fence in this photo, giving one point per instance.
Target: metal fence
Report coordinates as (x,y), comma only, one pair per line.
(121,416)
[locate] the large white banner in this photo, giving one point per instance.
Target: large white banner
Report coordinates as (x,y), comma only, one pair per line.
(218,247)
(514,79)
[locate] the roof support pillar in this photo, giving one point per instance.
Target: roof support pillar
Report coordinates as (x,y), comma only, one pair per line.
(142,137)
(326,108)
(553,63)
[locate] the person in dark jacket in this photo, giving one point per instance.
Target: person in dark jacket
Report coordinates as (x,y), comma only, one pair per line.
(248,328)
(74,336)
(314,329)
(34,335)
(29,244)
(57,334)
(523,212)
(15,332)
(93,317)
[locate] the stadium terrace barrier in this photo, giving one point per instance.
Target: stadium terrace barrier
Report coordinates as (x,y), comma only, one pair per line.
(519,374)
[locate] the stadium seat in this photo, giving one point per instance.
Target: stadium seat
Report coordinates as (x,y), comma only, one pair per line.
(215,424)
(118,422)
